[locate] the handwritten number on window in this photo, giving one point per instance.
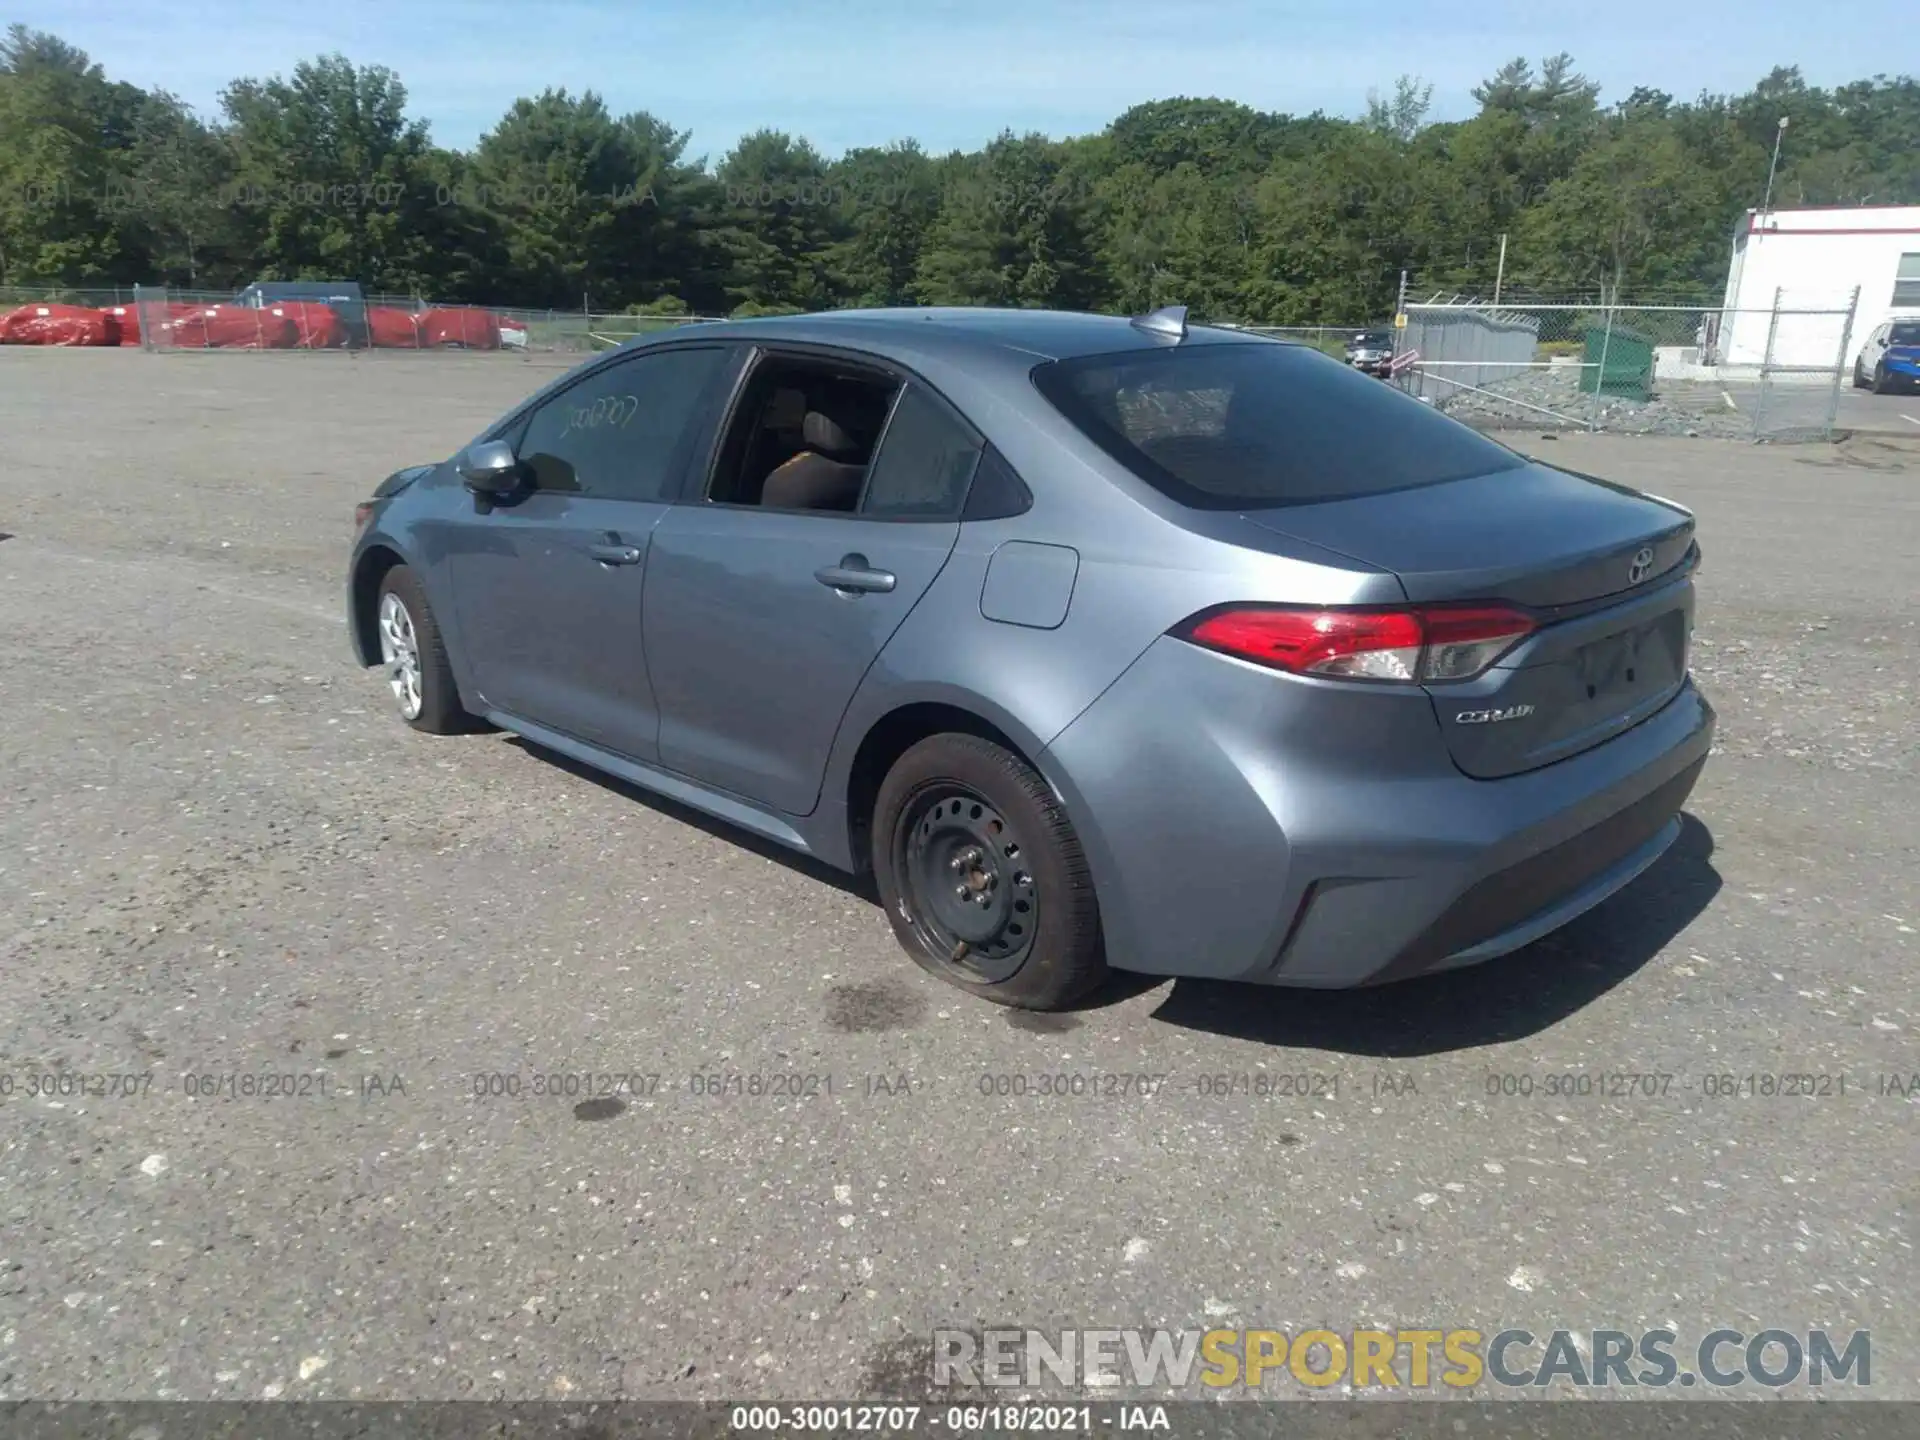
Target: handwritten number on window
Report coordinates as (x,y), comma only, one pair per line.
(609,412)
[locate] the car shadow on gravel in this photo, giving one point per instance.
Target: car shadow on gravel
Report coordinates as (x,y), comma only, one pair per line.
(1505,999)
(861,886)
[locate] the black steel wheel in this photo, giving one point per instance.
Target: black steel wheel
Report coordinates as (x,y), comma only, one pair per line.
(969,893)
(983,879)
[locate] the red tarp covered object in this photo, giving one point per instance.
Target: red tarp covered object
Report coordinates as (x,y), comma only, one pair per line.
(124,322)
(162,319)
(233,327)
(475,329)
(56,325)
(316,327)
(393,329)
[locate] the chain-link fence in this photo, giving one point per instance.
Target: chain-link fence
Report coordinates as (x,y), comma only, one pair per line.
(1770,374)
(1638,368)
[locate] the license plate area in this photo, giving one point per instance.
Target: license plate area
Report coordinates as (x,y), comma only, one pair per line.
(1572,686)
(1622,667)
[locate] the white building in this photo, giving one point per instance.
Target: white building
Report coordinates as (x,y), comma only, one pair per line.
(1811,261)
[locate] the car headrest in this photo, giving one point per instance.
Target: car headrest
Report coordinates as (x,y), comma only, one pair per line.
(786,410)
(826,436)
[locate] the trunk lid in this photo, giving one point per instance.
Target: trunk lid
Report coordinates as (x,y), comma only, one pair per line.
(1605,570)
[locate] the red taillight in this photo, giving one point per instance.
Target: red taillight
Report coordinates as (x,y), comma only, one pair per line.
(1424,644)
(360,514)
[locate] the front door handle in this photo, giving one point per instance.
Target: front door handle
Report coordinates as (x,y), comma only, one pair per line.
(854,576)
(615,554)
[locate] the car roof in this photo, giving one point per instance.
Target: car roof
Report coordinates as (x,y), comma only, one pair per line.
(955,331)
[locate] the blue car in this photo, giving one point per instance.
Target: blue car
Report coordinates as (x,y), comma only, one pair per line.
(1099,643)
(1890,358)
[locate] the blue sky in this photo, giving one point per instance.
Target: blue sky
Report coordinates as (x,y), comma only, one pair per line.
(863,72)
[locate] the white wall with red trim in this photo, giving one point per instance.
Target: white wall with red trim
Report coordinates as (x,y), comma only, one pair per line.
(1814,258)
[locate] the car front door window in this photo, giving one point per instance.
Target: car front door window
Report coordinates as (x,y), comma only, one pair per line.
(616,435)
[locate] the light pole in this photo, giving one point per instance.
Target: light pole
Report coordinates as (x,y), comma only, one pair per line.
(1778,135)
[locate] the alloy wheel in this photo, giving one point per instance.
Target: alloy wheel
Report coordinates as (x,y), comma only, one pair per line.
(400,655)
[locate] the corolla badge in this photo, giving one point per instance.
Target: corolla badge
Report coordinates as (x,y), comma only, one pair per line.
(1492,717)
(1642,565)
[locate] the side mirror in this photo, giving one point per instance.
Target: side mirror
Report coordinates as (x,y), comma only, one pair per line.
(490,469)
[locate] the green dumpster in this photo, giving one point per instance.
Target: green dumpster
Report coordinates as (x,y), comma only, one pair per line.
(1617,363)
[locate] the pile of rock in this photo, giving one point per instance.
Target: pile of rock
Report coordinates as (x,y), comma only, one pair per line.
(1677,408)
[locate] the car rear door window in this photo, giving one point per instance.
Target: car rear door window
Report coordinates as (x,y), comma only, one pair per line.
(617,435)
(925,464)
(1232,426)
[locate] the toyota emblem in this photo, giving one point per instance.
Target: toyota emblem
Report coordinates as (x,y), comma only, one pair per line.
(1642,565)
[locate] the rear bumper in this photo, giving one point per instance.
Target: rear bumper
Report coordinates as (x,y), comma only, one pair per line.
(1249,826)
(1513,907)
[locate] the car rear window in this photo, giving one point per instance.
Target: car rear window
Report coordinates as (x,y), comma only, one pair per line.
(1252,426)
(1905,334)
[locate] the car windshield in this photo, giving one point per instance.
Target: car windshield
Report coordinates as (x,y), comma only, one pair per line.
(1908,334)
(1371,337)
(1252,426)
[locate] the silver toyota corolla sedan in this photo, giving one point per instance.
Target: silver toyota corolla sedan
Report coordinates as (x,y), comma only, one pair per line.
(1101,643)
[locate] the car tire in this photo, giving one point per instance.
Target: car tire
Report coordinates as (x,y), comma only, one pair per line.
(1859,377)
(1881,382)
(982,876)
(413,656)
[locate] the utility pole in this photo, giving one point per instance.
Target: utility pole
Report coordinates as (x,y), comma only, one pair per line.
(1779,134)
(1500,274)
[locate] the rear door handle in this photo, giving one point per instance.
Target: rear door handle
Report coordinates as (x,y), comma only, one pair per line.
(854,576)
(615,554)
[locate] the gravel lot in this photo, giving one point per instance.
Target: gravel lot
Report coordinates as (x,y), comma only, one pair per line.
(1791,409)
(220,855)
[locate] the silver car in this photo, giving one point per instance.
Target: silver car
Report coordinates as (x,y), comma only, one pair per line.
(1100,643)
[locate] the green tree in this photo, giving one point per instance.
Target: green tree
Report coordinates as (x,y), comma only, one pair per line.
(774,223)
(887,201)
(1636,211)
(64,132)
(559,175)
(1404,114)
(1012,231)
(1328,248)
(177,194)
(328,175)
(1216,136)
